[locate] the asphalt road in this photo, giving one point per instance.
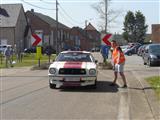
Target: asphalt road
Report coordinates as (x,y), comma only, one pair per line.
(25,95)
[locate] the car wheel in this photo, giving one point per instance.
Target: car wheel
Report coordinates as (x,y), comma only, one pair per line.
(52,86)
(149,62)
(144,62)
(95,85)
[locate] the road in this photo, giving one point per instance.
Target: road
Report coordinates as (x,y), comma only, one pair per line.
(25,95)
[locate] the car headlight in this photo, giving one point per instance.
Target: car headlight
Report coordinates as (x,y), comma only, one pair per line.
(92,72)
(52,70)
(153,56)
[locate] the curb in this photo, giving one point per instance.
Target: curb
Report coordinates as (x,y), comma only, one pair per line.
(11,71)
(151,98)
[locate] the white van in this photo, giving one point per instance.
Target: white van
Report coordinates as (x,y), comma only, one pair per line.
(3,47)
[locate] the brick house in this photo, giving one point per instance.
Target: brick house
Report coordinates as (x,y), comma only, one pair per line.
(93,35)
(47,25)
(14,29)
(79,39)
(155,33)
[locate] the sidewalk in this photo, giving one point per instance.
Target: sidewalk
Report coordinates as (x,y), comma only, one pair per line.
(150,95)
(13,70)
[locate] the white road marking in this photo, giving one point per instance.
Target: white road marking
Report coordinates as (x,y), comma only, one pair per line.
(123,111)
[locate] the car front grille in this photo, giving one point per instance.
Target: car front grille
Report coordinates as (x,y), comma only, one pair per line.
(72,71)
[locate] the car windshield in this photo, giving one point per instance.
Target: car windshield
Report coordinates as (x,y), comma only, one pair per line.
(155,49)
(82,57)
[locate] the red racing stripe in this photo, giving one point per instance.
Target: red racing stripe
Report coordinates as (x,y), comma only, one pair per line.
(73,65)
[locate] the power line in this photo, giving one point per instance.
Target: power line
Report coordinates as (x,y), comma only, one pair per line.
(62,14)
(36,6)
(67,1)
(48,2)
(75,21)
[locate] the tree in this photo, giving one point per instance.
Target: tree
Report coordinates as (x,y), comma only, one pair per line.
(141,28)
(134,27)
(129,24)
(107,15)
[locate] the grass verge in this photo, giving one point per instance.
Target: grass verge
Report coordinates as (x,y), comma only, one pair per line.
(155,83)
(28,60)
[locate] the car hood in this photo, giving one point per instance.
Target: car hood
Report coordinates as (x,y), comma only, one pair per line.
(83,65)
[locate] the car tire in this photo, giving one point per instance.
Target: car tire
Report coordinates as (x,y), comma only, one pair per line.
(95,85)
(144,62)
(149,62)
(52,86)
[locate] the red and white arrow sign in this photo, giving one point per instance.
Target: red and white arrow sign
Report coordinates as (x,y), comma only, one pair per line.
(36,40)
(106,39)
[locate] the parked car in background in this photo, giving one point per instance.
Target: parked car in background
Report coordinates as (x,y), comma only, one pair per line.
(132,50)
(124,47)
(30,50)
(73,68)
(151,54)
(96,49)
(141,50)
(3,47)
(48,50)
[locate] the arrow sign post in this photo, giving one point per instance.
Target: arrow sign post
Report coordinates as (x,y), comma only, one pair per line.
(106,39)
(106,44)
(37,40)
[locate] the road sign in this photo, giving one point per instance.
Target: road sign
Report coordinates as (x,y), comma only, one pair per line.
(106,39)
(36,40)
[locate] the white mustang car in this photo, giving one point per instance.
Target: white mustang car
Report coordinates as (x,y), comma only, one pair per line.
(73,68)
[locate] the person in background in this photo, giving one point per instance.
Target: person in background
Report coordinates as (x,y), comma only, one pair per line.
(118,60)
(8,56)
(105,51)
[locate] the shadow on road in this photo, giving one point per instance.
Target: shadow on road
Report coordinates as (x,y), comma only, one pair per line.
(102,86)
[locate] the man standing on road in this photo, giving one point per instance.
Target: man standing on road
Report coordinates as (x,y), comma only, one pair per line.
(118,60)
(8,53)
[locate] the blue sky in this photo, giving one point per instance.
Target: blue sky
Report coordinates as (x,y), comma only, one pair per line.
(76,12)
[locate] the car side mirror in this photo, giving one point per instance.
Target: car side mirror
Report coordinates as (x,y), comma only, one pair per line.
(96,61)
(146,51)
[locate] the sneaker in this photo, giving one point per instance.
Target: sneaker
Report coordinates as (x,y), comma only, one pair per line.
(124,86)
(112,84)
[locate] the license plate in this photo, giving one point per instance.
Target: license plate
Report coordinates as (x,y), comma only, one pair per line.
(72,79)
(71,84)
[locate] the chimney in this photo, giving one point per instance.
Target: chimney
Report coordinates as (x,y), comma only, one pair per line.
(32,10)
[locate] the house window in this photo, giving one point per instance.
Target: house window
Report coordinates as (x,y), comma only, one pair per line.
(77,40)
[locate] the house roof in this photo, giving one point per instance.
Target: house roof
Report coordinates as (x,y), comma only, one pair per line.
(9,14)
(80,30)
(49,20)
(90,27)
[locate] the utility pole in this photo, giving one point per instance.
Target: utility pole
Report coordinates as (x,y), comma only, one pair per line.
(57,50)
(106,15)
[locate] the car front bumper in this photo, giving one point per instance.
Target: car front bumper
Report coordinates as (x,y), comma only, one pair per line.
(155,61)
(72,80)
